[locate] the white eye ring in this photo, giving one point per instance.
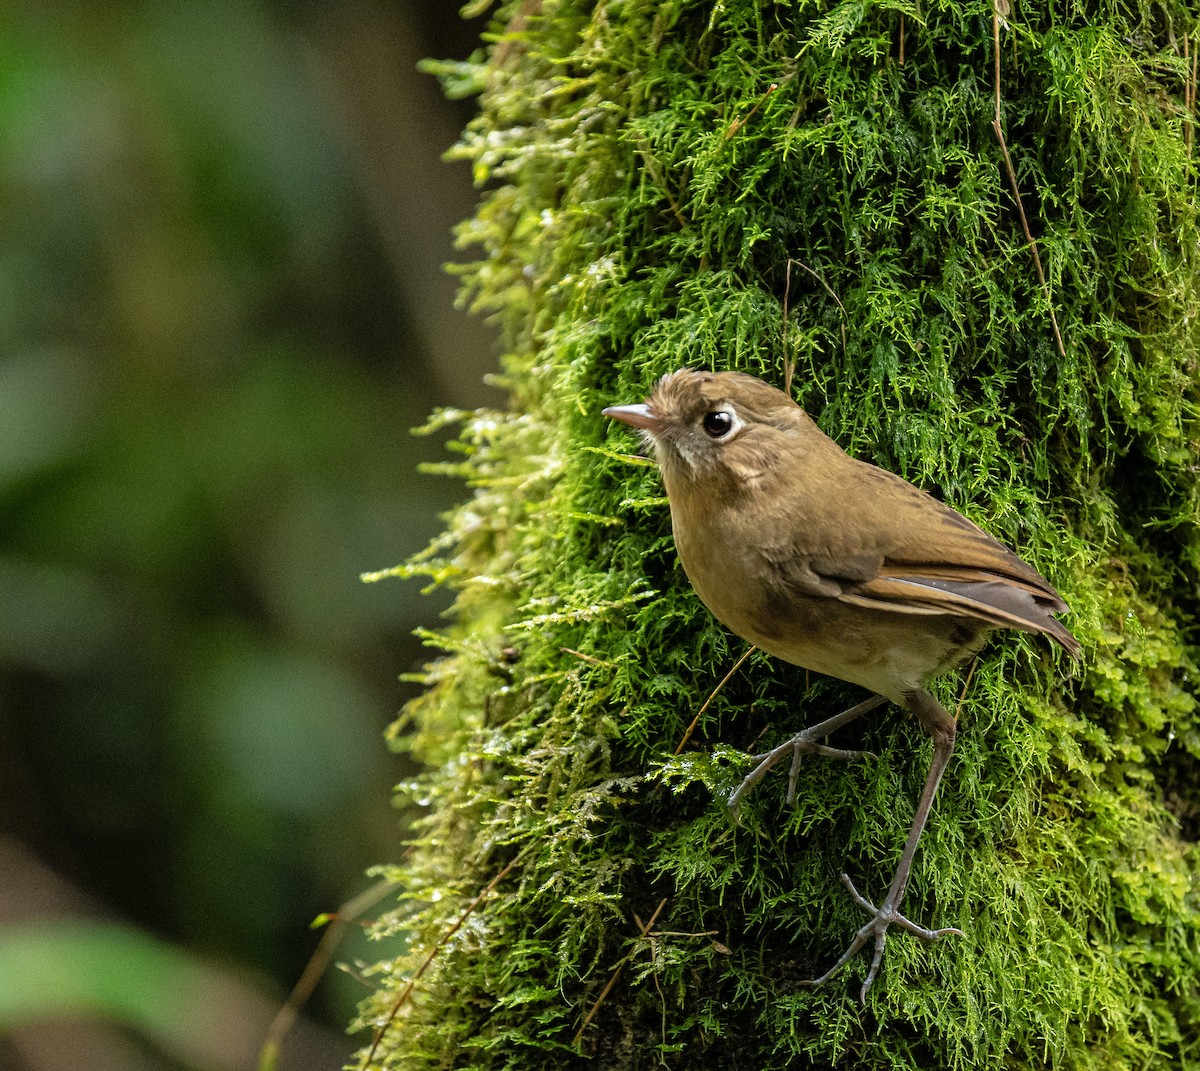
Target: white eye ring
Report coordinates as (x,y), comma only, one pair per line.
(721,423)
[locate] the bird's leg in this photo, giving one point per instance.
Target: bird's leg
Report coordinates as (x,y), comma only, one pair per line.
(805,743)
(941,726)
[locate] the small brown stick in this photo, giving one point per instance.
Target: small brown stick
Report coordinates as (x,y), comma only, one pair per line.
(314,970)
(433,952)
(512,32)
(657,176)
(761,733)
(1192,109)
(1189,93)
(712,695)
(654,937)
(1195,57)
(737,124)
(654,954)
(1187,98)
(790,367)
(584,657)
(901,38)
(966,684)
(1012,181)
(616,974)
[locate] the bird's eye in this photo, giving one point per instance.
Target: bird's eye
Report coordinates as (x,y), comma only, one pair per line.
(718,424)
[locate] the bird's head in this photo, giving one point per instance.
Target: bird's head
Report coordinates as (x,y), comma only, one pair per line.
(712,426)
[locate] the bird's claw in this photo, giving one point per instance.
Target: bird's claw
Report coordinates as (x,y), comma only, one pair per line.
(881,918)
(803,743)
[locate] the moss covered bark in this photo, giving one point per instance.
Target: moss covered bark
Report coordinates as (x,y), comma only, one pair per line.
(662,179)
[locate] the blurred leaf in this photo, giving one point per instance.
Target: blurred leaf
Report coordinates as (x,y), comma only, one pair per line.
(46,401)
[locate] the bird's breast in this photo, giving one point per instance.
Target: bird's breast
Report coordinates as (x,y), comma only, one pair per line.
(736,580)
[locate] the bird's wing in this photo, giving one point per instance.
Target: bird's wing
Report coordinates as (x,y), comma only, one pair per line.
(998,603)
(897,549)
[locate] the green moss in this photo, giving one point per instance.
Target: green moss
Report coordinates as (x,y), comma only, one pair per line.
(646,189)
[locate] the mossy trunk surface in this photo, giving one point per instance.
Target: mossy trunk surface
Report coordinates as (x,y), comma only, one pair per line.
(742,185)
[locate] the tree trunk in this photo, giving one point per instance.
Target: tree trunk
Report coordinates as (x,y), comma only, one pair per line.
(827,188)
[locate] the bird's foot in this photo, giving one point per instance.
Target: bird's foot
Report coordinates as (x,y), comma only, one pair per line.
(803,743)
(881,919)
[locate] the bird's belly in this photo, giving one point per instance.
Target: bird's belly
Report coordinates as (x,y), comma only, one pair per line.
(888,652)
(889,657)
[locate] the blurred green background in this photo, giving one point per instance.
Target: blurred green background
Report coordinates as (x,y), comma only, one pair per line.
(222,309)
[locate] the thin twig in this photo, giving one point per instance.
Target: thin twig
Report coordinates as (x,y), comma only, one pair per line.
(1189,93)
(788,369)
(655,952)
(433,952)
(1187,80)
(314,971)
(737,124)
(660,181)
(712,695)
(1012,180)
(616,974)
(1195,57)
(1192,109)
(512,32)
(750,747)
(828,289)
(789,365)
(966,684)
(584,657)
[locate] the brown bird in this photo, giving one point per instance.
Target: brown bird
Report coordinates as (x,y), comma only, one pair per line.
(835,565)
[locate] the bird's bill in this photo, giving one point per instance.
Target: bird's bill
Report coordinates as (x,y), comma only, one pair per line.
(636,416)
